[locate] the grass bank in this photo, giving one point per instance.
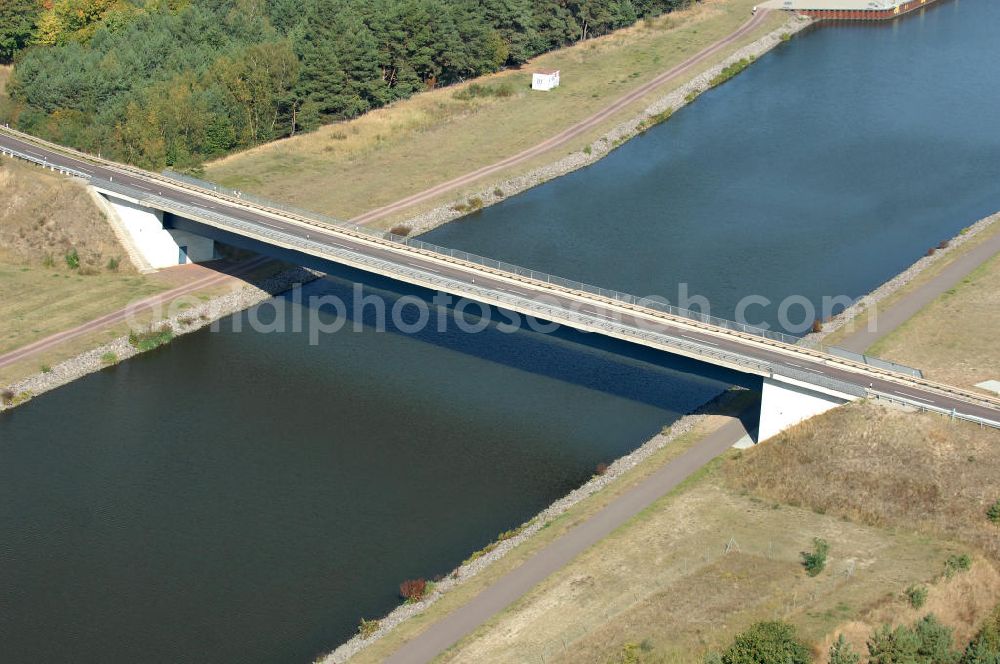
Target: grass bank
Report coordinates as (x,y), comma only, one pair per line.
(724,550)
(61,266)
(5,72)
(953,339)
(352,167)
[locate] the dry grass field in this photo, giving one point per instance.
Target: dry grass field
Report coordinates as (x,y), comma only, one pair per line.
(895,494)
(665,581)
(45,216)
(42,217)
(884,468)
(954,339)
(350,167)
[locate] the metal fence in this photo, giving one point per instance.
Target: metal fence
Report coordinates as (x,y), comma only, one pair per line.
(930,408)
(512,301)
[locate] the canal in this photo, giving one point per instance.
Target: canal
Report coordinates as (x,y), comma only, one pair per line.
(248,497)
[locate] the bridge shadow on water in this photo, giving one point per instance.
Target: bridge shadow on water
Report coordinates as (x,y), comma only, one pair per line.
(590,360)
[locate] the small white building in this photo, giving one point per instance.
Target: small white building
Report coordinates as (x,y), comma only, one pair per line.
(545,79)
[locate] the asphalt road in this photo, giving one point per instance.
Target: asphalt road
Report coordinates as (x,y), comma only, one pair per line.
(802,363)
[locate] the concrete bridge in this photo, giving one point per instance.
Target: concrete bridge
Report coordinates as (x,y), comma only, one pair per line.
(172,220)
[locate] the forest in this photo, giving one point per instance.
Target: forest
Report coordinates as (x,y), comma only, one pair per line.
(176,82)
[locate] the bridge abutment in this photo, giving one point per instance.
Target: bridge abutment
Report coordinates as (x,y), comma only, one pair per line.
(786,402)
(158,245)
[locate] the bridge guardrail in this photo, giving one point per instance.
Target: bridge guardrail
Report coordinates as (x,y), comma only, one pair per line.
(892,398)
(817,379)
(625,298)
(541,309)
(44,163)
(510,268)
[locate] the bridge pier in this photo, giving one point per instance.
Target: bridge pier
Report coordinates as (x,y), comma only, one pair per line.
(785,402)
(157,245)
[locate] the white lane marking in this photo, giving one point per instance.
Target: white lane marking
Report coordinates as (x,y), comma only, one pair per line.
(701,341)
(136,184)
(421,267)
(912,396)
(799,366)
(598,313)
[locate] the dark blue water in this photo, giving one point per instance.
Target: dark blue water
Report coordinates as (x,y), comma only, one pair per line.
(823,170)
(247,497)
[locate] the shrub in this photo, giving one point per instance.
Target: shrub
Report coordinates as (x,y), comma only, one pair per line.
(691,96)
(985,646)
(815,561)
(367,628)
(459,207)
(730,71)
(927,642)
(587,149)
(48,261)
(109,358)
(661,117)
(72,259)
(934,641)
(629,654)
(498,192)
(786,36)
(400,229)
(46,368)
(888,646)
(817,325)
(931,251)
(413,590)
(943,244)
(481,90)
(957,563)
(766,643)
(113,263)
(993,512)
(602,468)
(917,596)
(475,203)
(338,136)
(841,652)
(7,397)
(151,338)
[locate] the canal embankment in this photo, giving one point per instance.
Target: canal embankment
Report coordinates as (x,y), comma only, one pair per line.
(152,335)
(377,637)
(848,327)
(656,113)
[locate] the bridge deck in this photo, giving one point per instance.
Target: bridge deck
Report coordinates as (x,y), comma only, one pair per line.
(524,291)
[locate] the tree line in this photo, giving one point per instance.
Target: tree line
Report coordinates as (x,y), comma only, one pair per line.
(174,82)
